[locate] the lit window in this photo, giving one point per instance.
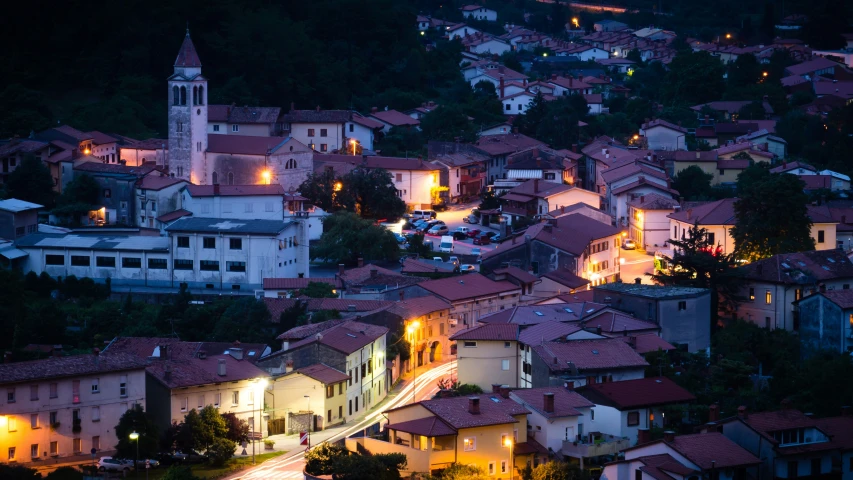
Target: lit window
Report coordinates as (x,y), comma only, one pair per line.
(751,294)
(469,444)
(768,297)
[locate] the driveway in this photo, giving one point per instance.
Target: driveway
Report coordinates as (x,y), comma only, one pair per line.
(637,264)
(453,219)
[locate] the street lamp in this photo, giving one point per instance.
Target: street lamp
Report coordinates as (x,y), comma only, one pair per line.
(411,329)
(508,443)
(310,419)
(135,437)
(266,176)
(352,142)
(262,383)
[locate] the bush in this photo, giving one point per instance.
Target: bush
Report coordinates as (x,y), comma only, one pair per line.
(221,451)
(321,460)
(65,473)
(178,472)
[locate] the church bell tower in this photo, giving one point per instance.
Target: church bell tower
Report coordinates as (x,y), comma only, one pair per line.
(188,116)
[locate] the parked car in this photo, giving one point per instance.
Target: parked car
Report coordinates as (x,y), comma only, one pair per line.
(423,214)
(482,240)
(400,238)
(471,219)
(497,239)
(425,227)
(467,268)
(474,233)
(629,244)
(491,234)
(462,229)
(110,464)
(154,463)
(460,236)
(476,251)
(189,457)
(437,230)
(453,260)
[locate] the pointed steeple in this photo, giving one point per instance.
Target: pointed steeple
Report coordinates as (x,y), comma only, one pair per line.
(187,56)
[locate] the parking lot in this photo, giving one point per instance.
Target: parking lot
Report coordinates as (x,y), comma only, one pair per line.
(453,218)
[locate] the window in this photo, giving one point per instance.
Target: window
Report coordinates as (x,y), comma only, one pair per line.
(633,419)
(34,392)
(520,107)
(235,243)
(79,261)
(157,264)
(209,265)
(235,266)
(183,264)
(131,262)
(820,236)
(768,297)
(249,207)
(469,444)
(54,448)
(682,305)
(11,455)
(235,398)
(508,107)
(105,262)
(180,127)
(217,397)
(711,238)
(469,344)
(310,132)
(591,414)
(96,414)
(34,421)
(75,391)
(351,127)
(107,193)
(96,442)
(216,128)
(330,391)
(184,404)
(96,388)
(491,468)
(183,242)
(54,390)
(200,402)
(235,128)
(54,259)
(20,231)
(10,395)
(122,386)
(268,206)
(324,132)
(399,177)
(504,364)
(77,445)
(324,147)
(209,242)
(34,450)
(751,294)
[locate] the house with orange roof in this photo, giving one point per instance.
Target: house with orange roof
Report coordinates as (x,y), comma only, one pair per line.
(479,12)
(488,354)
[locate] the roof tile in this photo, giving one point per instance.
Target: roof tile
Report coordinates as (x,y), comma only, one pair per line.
(640,393)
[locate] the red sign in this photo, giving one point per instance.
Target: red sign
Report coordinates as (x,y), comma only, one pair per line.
(303,438)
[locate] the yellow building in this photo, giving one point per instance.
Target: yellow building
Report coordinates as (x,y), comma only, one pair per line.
(488,355)
(431,327)
(319,389)
(488,431)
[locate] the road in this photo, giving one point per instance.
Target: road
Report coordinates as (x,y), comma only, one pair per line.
(291,464)
(453,218)
(637,264)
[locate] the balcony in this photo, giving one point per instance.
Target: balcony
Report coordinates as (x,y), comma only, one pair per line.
(604,445)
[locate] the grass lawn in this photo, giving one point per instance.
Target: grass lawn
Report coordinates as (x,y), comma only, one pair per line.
(206,471)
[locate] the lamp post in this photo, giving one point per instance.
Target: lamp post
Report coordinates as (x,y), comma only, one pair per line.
(310,419)
(508,443)
(262,383)
(412,328)
(135,437)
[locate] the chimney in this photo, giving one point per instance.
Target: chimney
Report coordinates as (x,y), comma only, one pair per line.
(96,351)
(474,405)
(374,109)
(341,269)
(501,87)
(235,352)
(496,388)
(360,262)
(742,412)
(318,108)
(549,402)
(504,391)
(216,189)
(535,185)
(714,413)
(575,147)
(669,436)
(643,436)
(167,372)
(288,366)
(563,209)
(570,385)
(373,272)
(689,213)
(553,76)
(221,367)
(538,162)
(632,341)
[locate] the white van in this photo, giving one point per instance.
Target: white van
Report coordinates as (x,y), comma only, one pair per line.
(446,244)
(425,214)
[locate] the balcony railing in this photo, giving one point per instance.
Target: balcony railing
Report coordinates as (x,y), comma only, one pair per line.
(607,445)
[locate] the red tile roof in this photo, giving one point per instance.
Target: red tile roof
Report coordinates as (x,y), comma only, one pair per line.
(247,145)
(641,182)
(168,217)
(640,393)
(604,354)
(663,123)
(189,372)
(842,298)
(413,265)
(235,190)
(100,138)
(242,115)
(187,56)
(658,465)
(567,278)
(648,342)
(545,189)
(418,307)
(517,273)
(765,423)
(494,410)
(788,166)
(343,305)
(801,268)
(297,283)
(346,338)
(305,331)
(816,182)
(324,374)
(96,165)
(395,118)
(805,68)
(153,182)
(505,143)
(712,450)
(71,366)
(151,347)
(840,429)
(488,332)
(547,332)
(427,427)
(720,212)
(628,169)
(573,233)
(469,286)
(73,132)
(566,403)
(653,201)
(611,321)
(375,161)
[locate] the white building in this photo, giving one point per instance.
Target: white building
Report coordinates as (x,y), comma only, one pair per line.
(327,131)
(648,220)
(242,202)
(234,120)
(630,181)
(479,12)
(517,103)
(662,135)
(66,406)
(156,197)
(556,415)
(461,30)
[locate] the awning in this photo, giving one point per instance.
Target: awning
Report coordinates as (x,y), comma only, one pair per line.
(13,253)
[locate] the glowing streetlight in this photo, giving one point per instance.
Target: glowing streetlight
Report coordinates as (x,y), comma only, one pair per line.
(544,54)
(575,22)
(728,36)
(412,328)
(508,444)
(87,151)
(353,142)
(636,137)
(338,186)
(135,437)
(266,176)
(764,74)
(422,34)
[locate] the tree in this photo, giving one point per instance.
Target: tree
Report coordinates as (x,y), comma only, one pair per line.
(371,194)
(31,181)
(635,56)
(771,214)
(319,189)
(489,201)
(139,421)
(693,183)
(321,459)
(418,246)
(557,470)
(745,70)
(200,430)
(447,123)
(79,196)
(318,290)
(694,77)
(17,472)
(65,473)
(753,111)
(383,466)
(220,451)
(346,237)
(529,121)
(238,429)
(460,471)
(698,262)
(180,472)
